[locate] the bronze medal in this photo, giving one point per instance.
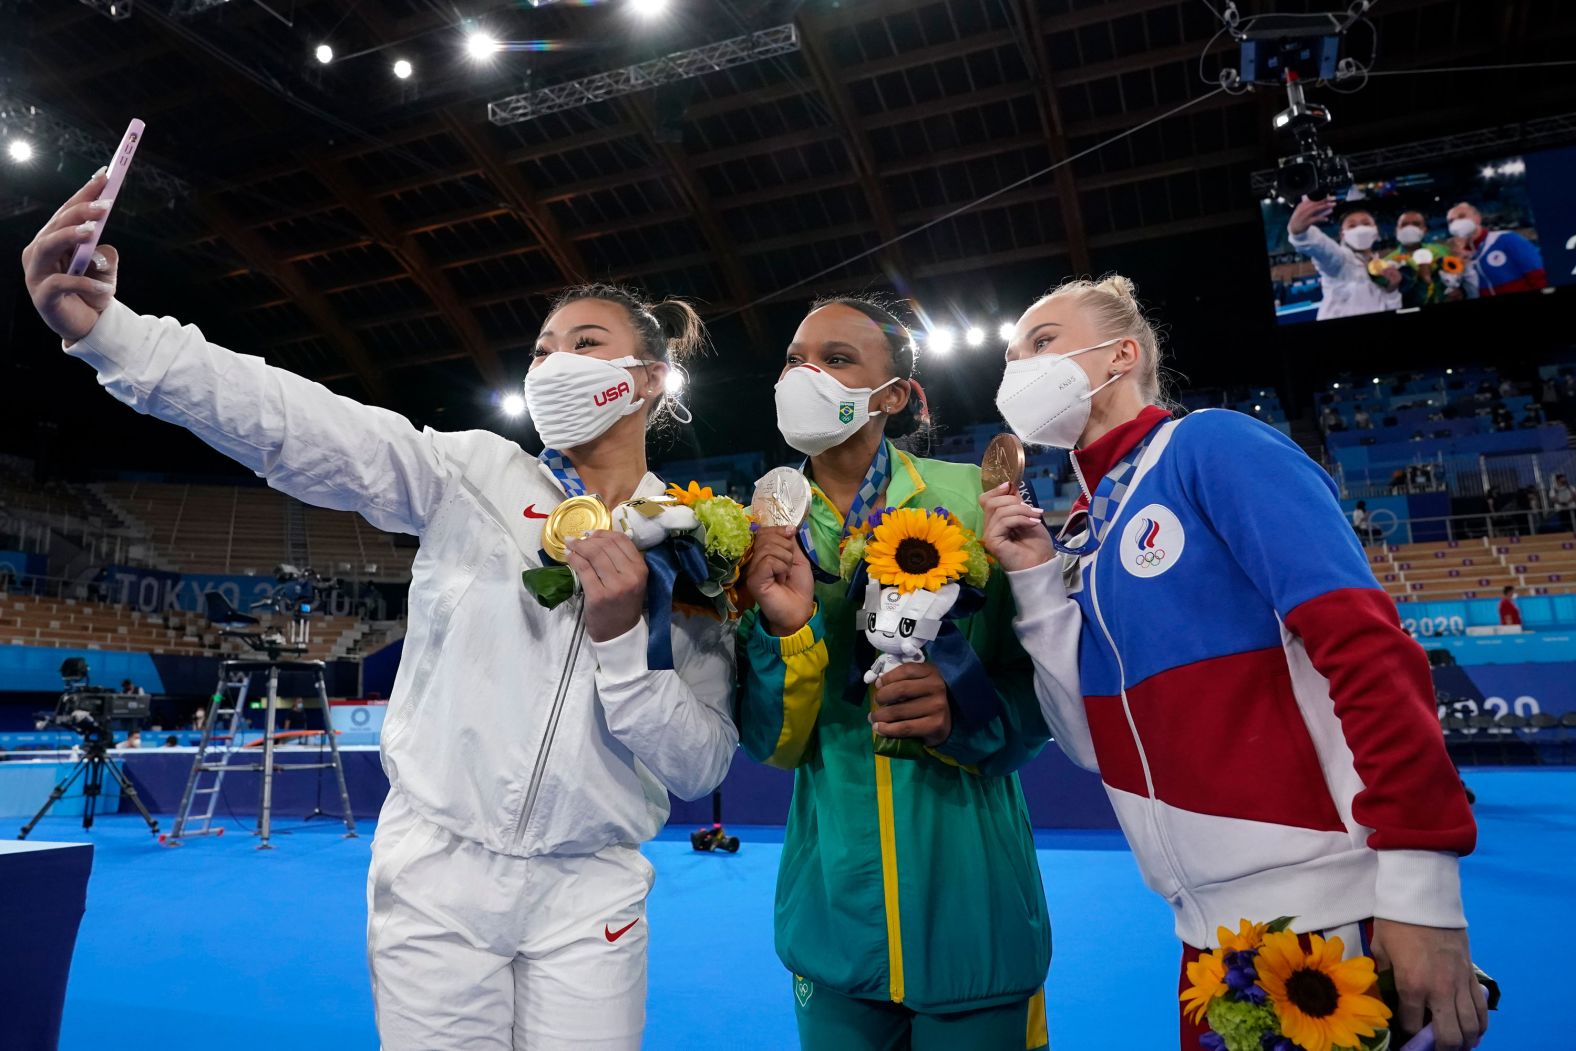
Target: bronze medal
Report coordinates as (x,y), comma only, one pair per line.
(1002,463)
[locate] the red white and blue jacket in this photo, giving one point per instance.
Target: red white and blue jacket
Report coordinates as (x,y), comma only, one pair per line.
(1264,728)
(1506,262)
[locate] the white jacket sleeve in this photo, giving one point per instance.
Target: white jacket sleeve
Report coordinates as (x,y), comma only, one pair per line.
(1048,625)
(1329,257)
(307,441)
(679,722)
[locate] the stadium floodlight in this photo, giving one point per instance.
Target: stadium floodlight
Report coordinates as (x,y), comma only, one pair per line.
(513,404)
(481,46)
(648,8)
(402,69)
(116,10)
(1005,331)
(23,118)
(20,150)
(939,339)
(974,336)
(674,384)
(324,53)
(779,40)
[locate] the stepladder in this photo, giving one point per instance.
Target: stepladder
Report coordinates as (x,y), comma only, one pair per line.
(224,749)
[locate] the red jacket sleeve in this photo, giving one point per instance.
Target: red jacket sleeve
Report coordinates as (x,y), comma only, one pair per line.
(1384,698)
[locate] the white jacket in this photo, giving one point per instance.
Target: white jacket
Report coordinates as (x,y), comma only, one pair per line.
(507,725)
(1343,277)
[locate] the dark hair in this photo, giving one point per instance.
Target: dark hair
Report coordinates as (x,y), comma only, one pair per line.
(1509,588)
(914,417)
(669,331)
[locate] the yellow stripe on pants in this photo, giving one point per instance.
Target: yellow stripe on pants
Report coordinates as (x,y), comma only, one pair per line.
(889,875)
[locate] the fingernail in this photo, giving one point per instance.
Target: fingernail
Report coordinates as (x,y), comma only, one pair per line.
(100,205)
(87,227)
(100,261)
(104,286)
(100,173)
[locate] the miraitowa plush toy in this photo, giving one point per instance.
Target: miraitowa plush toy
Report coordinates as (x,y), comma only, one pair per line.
(899,624)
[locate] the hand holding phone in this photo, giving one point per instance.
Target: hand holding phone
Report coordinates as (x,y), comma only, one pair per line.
(112,182)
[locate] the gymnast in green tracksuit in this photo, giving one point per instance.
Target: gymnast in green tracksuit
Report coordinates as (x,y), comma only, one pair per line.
(909,905)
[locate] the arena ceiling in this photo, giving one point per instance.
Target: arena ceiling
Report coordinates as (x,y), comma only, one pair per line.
(383,235)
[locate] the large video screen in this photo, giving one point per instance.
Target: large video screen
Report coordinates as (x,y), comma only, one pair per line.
(1457,232)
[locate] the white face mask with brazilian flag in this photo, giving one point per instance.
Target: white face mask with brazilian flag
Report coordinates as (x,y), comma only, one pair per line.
(815,412)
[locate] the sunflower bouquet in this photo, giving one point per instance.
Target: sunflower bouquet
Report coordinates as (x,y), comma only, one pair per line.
(915,564)
(1261,990)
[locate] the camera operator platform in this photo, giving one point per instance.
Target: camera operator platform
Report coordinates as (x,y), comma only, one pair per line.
(91,711)
(220,744)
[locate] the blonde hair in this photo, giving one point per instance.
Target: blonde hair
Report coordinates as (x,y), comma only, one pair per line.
(1113,302)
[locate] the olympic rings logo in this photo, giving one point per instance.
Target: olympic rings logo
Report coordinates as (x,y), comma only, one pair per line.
(1150,558)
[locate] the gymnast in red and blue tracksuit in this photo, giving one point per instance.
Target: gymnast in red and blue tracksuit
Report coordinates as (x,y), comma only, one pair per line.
(1212,640)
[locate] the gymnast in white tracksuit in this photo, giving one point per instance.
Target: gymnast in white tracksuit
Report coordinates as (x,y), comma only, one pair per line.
(529,751)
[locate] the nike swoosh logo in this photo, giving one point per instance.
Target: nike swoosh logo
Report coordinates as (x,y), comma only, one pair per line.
(613,935)
(532,512)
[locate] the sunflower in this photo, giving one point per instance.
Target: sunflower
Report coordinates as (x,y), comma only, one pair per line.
(1452,264)
(1208,976)
(1322,1000)
(691,496)
(1249,936)
(912,549)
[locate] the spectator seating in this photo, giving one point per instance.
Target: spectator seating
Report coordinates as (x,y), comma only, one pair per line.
(1540,565)
(251,529)
(69,624)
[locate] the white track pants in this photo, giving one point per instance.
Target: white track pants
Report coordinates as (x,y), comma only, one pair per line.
(486,952)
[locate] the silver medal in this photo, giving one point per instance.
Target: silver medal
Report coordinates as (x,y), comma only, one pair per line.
(782,498)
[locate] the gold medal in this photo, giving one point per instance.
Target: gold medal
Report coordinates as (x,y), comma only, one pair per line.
(1002,463)
(573,518)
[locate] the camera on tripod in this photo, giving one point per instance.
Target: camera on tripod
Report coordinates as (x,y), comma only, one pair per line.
(301,591)
(92,711)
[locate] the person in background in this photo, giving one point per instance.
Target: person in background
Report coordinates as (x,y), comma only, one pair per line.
(1533,417)
(1362,523)
(172,741)
(133,740)
(1499,261)
(1509,612)
(1562,499)
(127,686)
(1507,388)
(1421,282)
(1361,418)
(1349,286)
(1331,420)
(199,717)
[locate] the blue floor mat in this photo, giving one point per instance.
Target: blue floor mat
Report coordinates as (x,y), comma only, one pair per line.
(218,945)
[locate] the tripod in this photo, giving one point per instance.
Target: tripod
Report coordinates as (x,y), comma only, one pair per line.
(95,760)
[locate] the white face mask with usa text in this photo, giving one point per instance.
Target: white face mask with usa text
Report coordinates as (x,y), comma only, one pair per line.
(573,398)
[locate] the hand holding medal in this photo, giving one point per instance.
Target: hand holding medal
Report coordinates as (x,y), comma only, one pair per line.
(1014,530)
(779,576)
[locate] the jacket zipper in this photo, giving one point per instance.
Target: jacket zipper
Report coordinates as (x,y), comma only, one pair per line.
(1132,728)
(552,727)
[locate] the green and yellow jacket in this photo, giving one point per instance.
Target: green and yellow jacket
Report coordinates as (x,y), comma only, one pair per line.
(912,880)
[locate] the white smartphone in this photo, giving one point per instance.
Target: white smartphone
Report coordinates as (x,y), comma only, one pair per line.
(117,175)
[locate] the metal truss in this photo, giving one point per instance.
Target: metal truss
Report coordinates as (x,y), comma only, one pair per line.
(1544,131)
(149,181)
(779,40)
